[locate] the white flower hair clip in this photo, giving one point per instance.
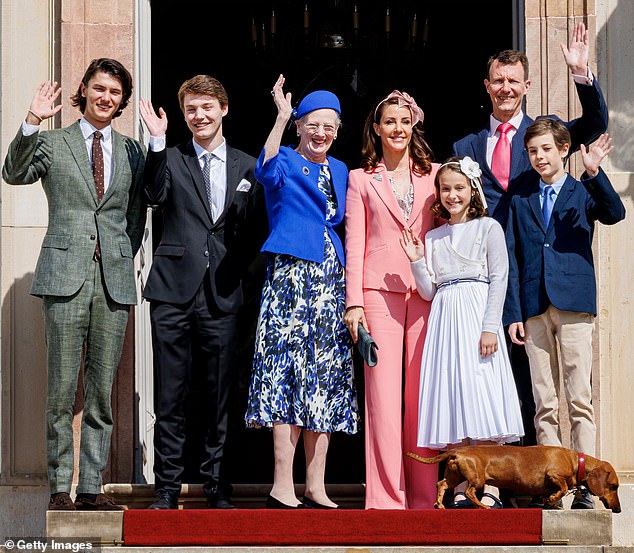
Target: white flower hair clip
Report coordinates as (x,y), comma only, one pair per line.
(471,169)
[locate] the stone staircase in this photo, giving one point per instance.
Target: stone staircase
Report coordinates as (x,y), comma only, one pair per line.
(591,530)
(598,531)
(563,531)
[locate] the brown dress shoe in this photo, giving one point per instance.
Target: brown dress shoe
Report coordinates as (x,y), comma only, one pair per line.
(61,502)
(101,503)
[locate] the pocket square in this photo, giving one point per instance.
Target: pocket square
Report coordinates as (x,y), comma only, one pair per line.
(243,186)
(367,346)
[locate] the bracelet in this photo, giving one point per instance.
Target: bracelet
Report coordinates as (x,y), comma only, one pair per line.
(40,119)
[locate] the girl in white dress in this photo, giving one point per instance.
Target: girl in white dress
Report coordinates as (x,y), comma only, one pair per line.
(467,392)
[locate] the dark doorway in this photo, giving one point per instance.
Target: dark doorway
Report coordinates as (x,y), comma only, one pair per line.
(436,50)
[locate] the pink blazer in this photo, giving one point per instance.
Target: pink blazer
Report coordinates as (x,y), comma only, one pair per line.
(374,222)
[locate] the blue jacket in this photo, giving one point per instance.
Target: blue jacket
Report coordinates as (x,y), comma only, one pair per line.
(523,180)
(296,207)
(554,265)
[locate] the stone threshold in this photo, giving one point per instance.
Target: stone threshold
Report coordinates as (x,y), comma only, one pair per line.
(373,549)
(559,528)
(245,496)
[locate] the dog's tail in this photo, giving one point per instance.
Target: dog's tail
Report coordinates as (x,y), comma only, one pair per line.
(430,460)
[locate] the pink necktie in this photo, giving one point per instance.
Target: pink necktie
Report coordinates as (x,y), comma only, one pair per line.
(501,160)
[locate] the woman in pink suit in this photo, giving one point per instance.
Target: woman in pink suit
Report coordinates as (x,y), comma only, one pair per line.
(393,191)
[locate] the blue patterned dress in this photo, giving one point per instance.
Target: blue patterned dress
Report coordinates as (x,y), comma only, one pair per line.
(302,368)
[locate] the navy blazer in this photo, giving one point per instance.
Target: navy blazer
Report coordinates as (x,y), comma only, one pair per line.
(296,207)
(554,265)
(523,180)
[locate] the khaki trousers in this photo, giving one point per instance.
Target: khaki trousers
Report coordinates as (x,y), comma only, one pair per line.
(563,339)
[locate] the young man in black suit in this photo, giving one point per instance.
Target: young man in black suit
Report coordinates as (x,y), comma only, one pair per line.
(212,208)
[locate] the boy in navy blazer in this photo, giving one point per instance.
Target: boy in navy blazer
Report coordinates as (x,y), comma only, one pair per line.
(551,297)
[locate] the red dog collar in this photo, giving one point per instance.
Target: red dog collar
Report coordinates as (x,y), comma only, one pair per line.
(581,471)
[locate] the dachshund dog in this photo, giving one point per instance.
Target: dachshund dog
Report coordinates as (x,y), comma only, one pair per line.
(545,471)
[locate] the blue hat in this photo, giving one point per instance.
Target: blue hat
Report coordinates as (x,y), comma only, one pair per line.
(320,99)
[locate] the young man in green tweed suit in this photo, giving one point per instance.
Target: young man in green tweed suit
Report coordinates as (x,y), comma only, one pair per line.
(85,272)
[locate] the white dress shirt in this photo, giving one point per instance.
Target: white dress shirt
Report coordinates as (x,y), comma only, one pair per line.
(218,169)
(218,175)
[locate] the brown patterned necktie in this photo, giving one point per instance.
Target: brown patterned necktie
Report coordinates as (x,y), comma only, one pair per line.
(98,175)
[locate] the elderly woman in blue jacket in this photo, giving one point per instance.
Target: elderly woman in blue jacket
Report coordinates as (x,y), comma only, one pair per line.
(302,379)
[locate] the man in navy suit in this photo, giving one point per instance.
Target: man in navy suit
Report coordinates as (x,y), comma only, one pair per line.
(551,297)
(214,223)
(507,83)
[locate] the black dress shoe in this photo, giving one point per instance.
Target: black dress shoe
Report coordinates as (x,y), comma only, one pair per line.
(220,503)
(583,499)
(272,503)
(165,499)
(310,504)
(537,502)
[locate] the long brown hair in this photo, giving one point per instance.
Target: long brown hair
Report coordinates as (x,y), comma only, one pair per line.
(113,68)
(372,149)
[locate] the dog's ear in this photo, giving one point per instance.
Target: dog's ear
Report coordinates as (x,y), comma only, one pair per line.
(597,480)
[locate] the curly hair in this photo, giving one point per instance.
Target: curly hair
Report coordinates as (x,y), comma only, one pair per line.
(113,68)
(372,149)
(476,207)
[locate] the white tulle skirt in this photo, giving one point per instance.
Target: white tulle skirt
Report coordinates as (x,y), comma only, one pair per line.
(463,395)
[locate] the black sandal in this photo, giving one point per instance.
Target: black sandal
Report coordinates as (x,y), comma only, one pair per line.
(460,503)
(497,504)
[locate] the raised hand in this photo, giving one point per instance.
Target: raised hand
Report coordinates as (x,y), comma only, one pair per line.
(597,151)
(156,124)
(42,106)
(576,55)
(412,245)
(282,101)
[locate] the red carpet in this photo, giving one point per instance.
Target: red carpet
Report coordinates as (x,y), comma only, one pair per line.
(345,527)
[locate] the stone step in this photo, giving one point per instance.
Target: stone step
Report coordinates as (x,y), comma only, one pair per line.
(559,528)
(365,549)
(245,496)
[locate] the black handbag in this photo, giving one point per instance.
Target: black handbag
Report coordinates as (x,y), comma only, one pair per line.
(367,346)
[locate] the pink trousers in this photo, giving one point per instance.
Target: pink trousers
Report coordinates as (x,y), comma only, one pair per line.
(398,324)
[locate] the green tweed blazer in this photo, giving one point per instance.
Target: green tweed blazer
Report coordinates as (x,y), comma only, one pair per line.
(60,159)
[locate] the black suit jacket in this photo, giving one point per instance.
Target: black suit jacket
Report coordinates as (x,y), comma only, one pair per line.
(522,179)
(191,242)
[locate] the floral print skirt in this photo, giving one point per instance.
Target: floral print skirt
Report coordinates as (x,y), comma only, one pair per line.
(302,368)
